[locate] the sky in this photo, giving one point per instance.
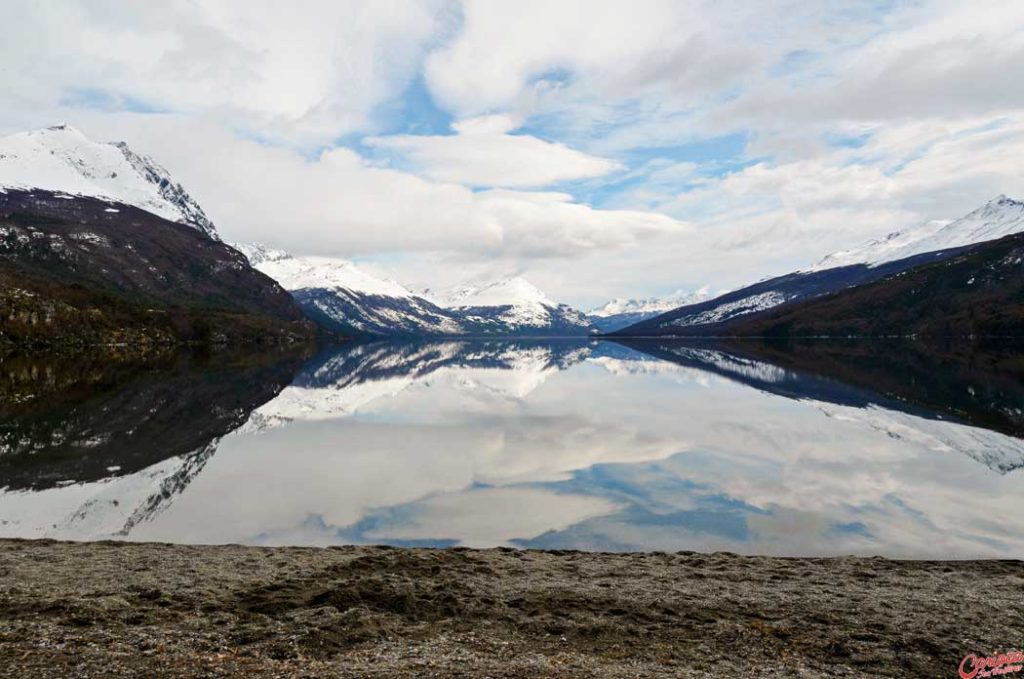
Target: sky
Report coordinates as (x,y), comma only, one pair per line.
(599,148)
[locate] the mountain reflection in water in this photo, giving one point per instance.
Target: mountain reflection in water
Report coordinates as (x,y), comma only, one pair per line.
(817,448)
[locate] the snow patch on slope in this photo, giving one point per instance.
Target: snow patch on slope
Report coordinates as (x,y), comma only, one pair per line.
(878,250)
(515,291)
(729,310)
(329,273)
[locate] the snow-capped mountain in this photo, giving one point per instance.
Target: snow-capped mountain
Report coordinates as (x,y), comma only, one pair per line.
(345,298)
(975,293)
(296,273)
(871,261)
(879,250)
(621,312)
(512,306)
(515,291)
(84,271)
(62,159)
(997,218)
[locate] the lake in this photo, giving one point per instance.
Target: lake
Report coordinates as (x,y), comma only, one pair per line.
(819,448)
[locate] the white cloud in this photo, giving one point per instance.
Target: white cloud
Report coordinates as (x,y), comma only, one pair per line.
(609,92)
(937,61)
(493,124)
(622,75)
(911,171)
(484,154)
(304,76)
(550,223)
(340,204)
(513,56)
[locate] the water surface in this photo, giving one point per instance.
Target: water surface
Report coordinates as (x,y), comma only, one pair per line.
(827,448)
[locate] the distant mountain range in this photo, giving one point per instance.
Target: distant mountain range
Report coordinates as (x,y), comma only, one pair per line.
(100,245)
(736,312)
(512,306)
(339,295)
(622,313)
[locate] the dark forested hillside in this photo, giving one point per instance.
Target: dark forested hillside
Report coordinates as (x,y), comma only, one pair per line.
(83,271)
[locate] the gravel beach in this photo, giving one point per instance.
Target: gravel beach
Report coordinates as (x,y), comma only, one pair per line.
(152,610)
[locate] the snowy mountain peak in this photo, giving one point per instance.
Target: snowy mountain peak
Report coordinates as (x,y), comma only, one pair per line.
(327,273)
(55,137)
(61,158)
(997,218)
(257,253)
(62,127)
(515,303)
(514,291)
(1000,207)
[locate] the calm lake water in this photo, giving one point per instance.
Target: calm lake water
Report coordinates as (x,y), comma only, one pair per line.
(821,448)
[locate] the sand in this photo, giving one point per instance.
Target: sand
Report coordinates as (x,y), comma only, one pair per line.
(150,610)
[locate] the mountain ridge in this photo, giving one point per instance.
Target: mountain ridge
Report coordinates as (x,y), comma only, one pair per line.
(339,295)
(933,242)
(999,217)
(63,160)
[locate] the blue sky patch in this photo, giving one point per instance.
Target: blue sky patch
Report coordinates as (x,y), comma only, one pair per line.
(109,102)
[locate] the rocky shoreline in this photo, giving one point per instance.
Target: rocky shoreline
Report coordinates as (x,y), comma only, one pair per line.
(119,609)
